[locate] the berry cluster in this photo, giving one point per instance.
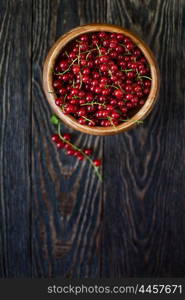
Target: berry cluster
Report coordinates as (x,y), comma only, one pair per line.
(63,141)
(101,79)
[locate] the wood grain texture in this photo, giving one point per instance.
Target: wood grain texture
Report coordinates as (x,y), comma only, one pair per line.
(15,134)
(55,218)
(144,168)
(66,194)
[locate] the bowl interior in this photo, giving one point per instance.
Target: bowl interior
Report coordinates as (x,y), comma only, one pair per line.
(71,121)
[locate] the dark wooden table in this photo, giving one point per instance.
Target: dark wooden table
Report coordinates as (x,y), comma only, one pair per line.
(55,218)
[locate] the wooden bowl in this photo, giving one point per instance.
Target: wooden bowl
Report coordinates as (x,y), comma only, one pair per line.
(71,121)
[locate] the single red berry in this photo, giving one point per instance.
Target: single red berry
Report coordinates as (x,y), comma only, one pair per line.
(82,101)
(129,96)
(124,110)
(103,123)
(96,75)
(74,92)
(110,107)
(66,77)
(90,108)
(129,105)
(102,34)
(70,152)
(97,162)
(129,45)
(72,55)
(104,67)
(97,61)
(80,156)
(92,123)
(142,102)
(143,71)
(55,138)
(63,65)
(98,90)
(88,151)
(86,78)
(113,44)
(90,63)
(76,69)
(107,123)
(146,91)
(89,97)
(62,91)
(58,102)
(67,136)
(67,147)
(60,145)
(139,94)
(121,103)
(104,59)
(57,84)
(113,102)
(103,80)
(147,83)
(131,74)
(82,121)
(84,38)
(137,52)
(95,82)
(118,93)
(106,92)
(114,68)
(81,94)
(115,122)
(138,88)
(70,108)
(113,54)
(83,62)
(81,112)
(120,37)
(119,49)
(86,71)
(74,101)
(115,115)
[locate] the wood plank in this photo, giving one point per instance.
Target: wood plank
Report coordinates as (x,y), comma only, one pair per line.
(144,169)
(133,224)
(66,195)
(15,74)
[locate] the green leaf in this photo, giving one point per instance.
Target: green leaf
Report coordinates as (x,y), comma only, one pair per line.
(54,120)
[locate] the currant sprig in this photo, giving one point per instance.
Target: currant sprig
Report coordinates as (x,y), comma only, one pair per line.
(63,141)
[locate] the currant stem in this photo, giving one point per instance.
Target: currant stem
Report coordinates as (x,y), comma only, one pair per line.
(80,79)
(85,118)
(79,150)
(120,88)
(98,50)
(110,119)
(147,77)
(92,103)
(126,70)
(67,68)
(79,55)
(110,85)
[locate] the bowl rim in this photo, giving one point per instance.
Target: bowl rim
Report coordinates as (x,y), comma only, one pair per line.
(71,121)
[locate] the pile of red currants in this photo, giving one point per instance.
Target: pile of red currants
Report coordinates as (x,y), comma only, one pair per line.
(101,79)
